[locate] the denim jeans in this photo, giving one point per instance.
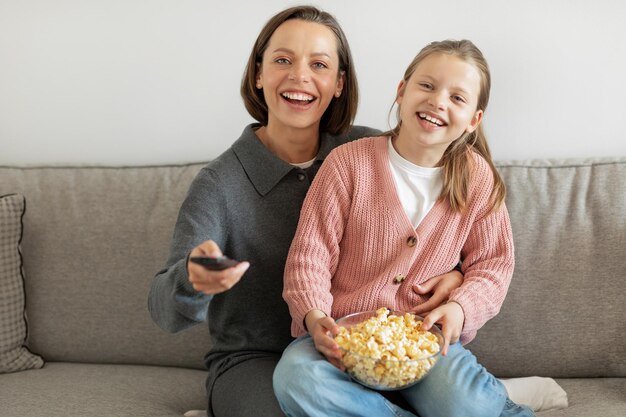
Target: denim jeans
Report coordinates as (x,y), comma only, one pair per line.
(306,384)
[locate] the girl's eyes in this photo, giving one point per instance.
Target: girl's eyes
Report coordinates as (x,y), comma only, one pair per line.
(455,97)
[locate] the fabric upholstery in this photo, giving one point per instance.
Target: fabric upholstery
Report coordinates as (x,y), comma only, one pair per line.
(81,390)
(592,397)
(14,356)
(95,236)
(93,240)
(564,315)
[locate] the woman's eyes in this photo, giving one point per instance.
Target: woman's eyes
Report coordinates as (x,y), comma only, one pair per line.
(315,65)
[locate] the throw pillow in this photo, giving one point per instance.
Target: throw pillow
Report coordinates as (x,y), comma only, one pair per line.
(14,356)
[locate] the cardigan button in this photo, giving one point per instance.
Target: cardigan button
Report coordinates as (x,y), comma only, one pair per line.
(301,176)
(411,241)
(398,278)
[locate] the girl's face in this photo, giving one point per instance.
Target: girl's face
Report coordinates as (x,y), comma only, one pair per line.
(299,75)
(438,104)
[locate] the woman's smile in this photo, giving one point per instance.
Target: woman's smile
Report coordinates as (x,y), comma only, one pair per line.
(300,100)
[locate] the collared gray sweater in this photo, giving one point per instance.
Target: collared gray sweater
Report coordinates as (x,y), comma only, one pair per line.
(248,201)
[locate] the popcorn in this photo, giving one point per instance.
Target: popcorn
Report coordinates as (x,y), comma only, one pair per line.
(388,351)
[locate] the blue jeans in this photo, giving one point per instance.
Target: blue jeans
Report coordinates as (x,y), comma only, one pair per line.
(306,384)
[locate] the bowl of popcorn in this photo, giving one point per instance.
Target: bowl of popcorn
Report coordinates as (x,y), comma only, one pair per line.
(387,350)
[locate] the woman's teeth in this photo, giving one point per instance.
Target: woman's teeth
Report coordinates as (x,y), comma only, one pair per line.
(431,119)
(298,96)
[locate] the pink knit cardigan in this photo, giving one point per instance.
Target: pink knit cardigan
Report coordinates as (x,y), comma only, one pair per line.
(354,242)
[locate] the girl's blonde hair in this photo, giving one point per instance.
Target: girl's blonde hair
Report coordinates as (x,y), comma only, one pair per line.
(456,160)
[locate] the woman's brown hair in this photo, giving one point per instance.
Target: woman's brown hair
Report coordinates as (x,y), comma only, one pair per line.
(341,111)
(456,160)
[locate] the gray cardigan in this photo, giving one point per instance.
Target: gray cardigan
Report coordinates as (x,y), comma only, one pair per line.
(248,201)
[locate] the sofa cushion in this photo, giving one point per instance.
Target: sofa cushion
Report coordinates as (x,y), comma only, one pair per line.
(564,315)
(14,356)
(80,390)
(93,239)
(592,397)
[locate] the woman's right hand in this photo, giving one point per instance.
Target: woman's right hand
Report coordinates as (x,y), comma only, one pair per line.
(213,282)
(322,329)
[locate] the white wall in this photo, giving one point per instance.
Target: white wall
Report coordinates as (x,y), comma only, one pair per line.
(120,82)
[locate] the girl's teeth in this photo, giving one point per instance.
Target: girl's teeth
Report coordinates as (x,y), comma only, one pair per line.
(431,119)
(298,96)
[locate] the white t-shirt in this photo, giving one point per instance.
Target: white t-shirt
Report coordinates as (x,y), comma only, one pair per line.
(418,188)
(304,165)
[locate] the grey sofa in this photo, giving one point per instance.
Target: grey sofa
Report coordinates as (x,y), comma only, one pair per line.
(93,237)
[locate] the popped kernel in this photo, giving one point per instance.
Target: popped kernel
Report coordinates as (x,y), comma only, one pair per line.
(388,351)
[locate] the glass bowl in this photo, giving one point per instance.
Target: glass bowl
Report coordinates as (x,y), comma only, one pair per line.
(386,350)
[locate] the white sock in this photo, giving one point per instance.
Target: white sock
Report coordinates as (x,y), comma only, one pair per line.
(195,413)
(536,392)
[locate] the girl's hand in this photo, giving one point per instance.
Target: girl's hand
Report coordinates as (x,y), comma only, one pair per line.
(451,318)
(322,329)
(441,286)
(213,282)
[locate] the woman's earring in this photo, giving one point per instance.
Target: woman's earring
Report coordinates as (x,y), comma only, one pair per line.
(258,85)
(338,94)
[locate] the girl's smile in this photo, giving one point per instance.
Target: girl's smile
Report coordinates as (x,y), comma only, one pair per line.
(430,121)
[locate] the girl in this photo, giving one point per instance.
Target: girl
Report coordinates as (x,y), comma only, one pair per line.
(383,214)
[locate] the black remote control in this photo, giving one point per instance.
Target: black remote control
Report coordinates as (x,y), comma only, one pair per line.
(215,264)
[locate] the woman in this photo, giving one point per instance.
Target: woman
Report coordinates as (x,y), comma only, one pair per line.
(301,87)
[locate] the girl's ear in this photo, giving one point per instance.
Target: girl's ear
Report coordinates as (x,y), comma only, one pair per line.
(400,91)
(478,117)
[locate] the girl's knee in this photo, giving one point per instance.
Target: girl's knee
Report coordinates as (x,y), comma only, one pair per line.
(300,373)
(279,378)
(475,409)
(452,404)
(459,386)
(294,382)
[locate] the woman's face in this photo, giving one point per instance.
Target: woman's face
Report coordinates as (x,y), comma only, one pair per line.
(299,75)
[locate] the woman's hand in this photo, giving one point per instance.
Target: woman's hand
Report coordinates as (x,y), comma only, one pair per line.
(451,317)
(441,286)
(322,329)
(213,282)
